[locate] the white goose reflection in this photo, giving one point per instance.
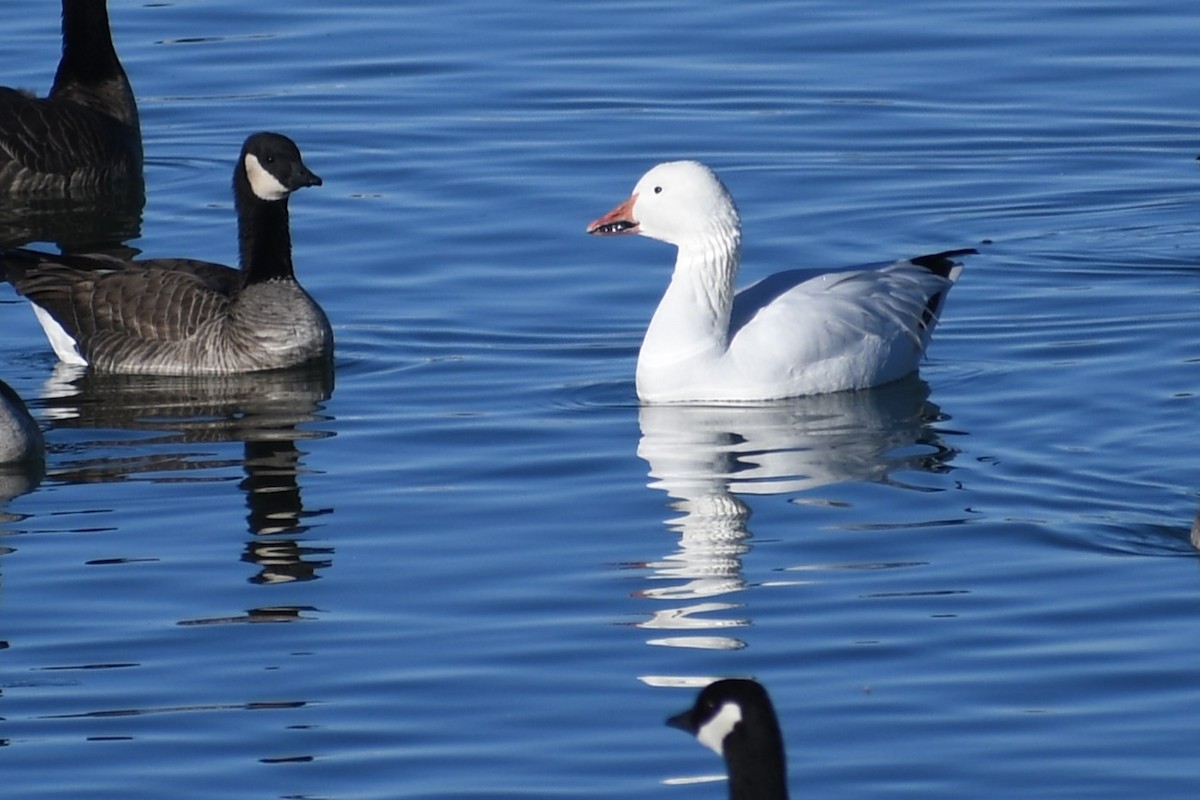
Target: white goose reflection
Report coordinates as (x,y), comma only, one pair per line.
(706,458)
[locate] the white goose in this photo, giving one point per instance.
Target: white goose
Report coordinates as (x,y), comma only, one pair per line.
(799,332)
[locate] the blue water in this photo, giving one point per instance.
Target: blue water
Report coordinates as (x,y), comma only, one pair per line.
(474,567)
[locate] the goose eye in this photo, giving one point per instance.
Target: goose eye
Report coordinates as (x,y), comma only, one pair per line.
(658,190)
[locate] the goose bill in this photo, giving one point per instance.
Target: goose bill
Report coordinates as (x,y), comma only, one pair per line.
(682,721)
(618,222)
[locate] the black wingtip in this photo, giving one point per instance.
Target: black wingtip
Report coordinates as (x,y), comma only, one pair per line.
(942,263)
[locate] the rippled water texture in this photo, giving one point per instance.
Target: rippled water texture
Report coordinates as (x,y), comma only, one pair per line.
(468,564)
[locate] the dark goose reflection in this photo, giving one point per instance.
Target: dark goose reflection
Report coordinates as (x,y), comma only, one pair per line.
(267,412)
(16,480)
(708,458)
(76,223)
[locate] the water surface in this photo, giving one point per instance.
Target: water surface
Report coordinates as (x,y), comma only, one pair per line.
(467,563)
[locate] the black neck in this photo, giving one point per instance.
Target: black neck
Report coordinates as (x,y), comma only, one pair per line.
(757,769)
(90,72)
(88,54)
(264,235)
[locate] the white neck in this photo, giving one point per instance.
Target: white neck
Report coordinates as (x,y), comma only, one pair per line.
(692,319)
(712,734)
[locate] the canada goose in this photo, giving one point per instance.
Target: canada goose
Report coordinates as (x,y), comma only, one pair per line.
(734,717)
(798,332)
(20,436)
(85,134)
(179,316)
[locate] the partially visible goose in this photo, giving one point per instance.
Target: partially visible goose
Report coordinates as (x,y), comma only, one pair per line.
(178,316)
(85,133)
(795,333)
(20,437)
(734,717)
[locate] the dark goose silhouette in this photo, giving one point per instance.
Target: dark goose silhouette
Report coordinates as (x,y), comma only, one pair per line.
(85,134)
(735,718)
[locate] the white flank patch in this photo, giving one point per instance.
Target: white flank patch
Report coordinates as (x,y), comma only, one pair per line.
(712,733)
(65,346)
(265,185)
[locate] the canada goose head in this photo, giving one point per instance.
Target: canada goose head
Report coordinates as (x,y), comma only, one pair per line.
(734,717)
(272,167)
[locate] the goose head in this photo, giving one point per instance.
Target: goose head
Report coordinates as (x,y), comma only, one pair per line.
(678,202)
(734,717)
(272,167)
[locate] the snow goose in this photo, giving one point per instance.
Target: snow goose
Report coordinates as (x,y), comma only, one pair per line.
(799,332)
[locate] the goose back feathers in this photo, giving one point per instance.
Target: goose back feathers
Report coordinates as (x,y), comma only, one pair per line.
(20,437)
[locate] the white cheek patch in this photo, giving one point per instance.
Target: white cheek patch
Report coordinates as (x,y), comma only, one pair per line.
(65,346)
(712,733)
(264,185)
